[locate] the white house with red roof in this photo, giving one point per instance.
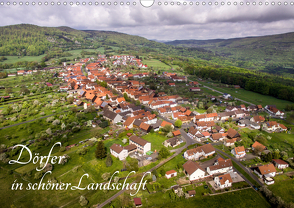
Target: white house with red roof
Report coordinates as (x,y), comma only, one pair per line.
(239,152)
(171,173)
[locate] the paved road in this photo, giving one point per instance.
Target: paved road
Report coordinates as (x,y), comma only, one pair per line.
(244,168)
(109,200)
(223,93)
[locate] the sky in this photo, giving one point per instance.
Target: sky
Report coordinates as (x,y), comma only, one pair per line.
(158,22)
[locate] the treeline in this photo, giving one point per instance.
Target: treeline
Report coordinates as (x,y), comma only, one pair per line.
(266,85)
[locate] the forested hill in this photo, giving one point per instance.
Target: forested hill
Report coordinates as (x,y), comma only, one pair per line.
(32,40)
(272,53)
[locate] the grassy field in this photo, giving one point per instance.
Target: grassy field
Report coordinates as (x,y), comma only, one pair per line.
(249,96)
(156,64)
(156,140)
(245,198)
(284,189)
(171,165)
(68,173)
(14,59)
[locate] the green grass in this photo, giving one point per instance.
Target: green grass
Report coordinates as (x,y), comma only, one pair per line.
(244,198)
(156,140)
(156,64)
(284,189)
(249,96)
(14,59)
(245,174)
(179,146)
(171,165)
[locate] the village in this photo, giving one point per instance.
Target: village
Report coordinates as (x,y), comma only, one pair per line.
(222,148)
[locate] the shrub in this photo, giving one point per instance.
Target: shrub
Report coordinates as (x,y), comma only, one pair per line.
(83,201)
(56,122)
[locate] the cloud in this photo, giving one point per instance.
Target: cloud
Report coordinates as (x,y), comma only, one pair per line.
(159,22)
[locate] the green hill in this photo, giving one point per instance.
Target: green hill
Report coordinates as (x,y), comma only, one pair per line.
(266,53)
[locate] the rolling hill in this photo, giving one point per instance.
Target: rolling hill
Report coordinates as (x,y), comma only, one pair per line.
(271,54)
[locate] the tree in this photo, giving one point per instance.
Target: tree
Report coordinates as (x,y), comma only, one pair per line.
(100,150)
(83,201)
(108,160)
(105,176)
(258,149)
(137,103)
(8,90)
(167,128)
(284,155)
(164,152)
(178,123)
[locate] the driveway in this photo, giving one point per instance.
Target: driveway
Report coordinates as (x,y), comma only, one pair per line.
(250,156)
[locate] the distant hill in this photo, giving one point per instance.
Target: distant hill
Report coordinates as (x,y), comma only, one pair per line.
(32,40)
(273,53)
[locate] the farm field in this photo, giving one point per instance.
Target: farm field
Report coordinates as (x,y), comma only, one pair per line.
(249,96)
(14,59)
(284,189)
(244,198)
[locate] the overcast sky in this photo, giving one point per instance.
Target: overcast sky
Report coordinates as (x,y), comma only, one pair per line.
(158,22)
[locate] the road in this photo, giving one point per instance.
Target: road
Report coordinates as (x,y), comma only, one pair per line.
(244,168)
(177,152)
(223,93)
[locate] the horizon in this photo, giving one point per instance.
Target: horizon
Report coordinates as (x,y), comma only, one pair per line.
(159,22)
(157,40)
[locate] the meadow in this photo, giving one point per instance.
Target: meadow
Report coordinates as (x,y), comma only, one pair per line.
(249,96)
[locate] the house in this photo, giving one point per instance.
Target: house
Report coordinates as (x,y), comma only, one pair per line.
(256,144)
(222,166)
(129,122)
(271,125)
(114,117)
(164,123)
(244,122)
(192,193)
(21,72)
(176,133)
(118,151)
(230,142)
(259,107)
(138,202)
(226,96)
(238,152)
(145,127)
(193,170)
(273,110)
(281,164)
(142,145)
(172,84)
(257,119)
(282,127)
(172,142)
(131,148)
(219,129)
(266,171)
(223,181)
(195,89)
(217,137)
(198,152)
(176,188)
(231,108)
(171,173)
(232,133)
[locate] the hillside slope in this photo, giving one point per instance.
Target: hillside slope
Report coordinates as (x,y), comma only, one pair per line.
(267,53)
